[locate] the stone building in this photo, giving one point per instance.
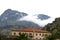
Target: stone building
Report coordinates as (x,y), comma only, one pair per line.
(35,32)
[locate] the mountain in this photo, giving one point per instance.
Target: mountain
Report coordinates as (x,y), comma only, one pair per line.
(21,24)
(40,19)
(9,19)
(12,15)
(28,24)
(43,17)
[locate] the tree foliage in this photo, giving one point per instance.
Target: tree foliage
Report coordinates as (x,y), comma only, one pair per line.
(54,27)
(22,36)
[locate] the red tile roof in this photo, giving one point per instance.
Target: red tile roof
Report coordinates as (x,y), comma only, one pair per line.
(30,30)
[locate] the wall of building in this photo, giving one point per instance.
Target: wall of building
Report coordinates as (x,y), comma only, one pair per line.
(36,35)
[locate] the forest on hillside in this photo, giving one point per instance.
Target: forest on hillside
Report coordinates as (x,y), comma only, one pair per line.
(54,27)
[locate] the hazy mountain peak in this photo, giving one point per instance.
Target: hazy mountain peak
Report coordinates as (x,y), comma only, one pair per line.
(43,16)
(11,15)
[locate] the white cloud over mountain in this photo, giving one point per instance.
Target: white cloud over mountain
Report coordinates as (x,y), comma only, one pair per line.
(32,7)
(36,20)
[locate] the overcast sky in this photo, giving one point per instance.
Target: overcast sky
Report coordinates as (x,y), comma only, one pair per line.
(32,7)
(48,7)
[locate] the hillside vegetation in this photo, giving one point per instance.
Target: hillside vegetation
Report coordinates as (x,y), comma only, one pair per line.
(54,27)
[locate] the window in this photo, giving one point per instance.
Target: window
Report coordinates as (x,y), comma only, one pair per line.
(19,33)
(45,34)
(30,34)
(40,38)
(36,38)
(40,34)
(43,39)
(36,34)
(14,33)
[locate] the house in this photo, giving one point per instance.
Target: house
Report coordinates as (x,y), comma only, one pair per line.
(35,32)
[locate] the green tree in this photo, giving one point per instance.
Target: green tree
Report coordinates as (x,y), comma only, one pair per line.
(54,27)
(0,37)
(22,36)
(51,37)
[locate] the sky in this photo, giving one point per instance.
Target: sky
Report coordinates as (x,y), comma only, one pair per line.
(32,7)
(48,7)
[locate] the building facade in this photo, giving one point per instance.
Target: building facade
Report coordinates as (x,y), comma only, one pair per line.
(37,34)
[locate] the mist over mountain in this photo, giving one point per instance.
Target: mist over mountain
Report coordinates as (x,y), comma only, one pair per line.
(9,19)
(40,19)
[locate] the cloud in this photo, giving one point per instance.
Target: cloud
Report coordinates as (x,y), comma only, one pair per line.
(37,21)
